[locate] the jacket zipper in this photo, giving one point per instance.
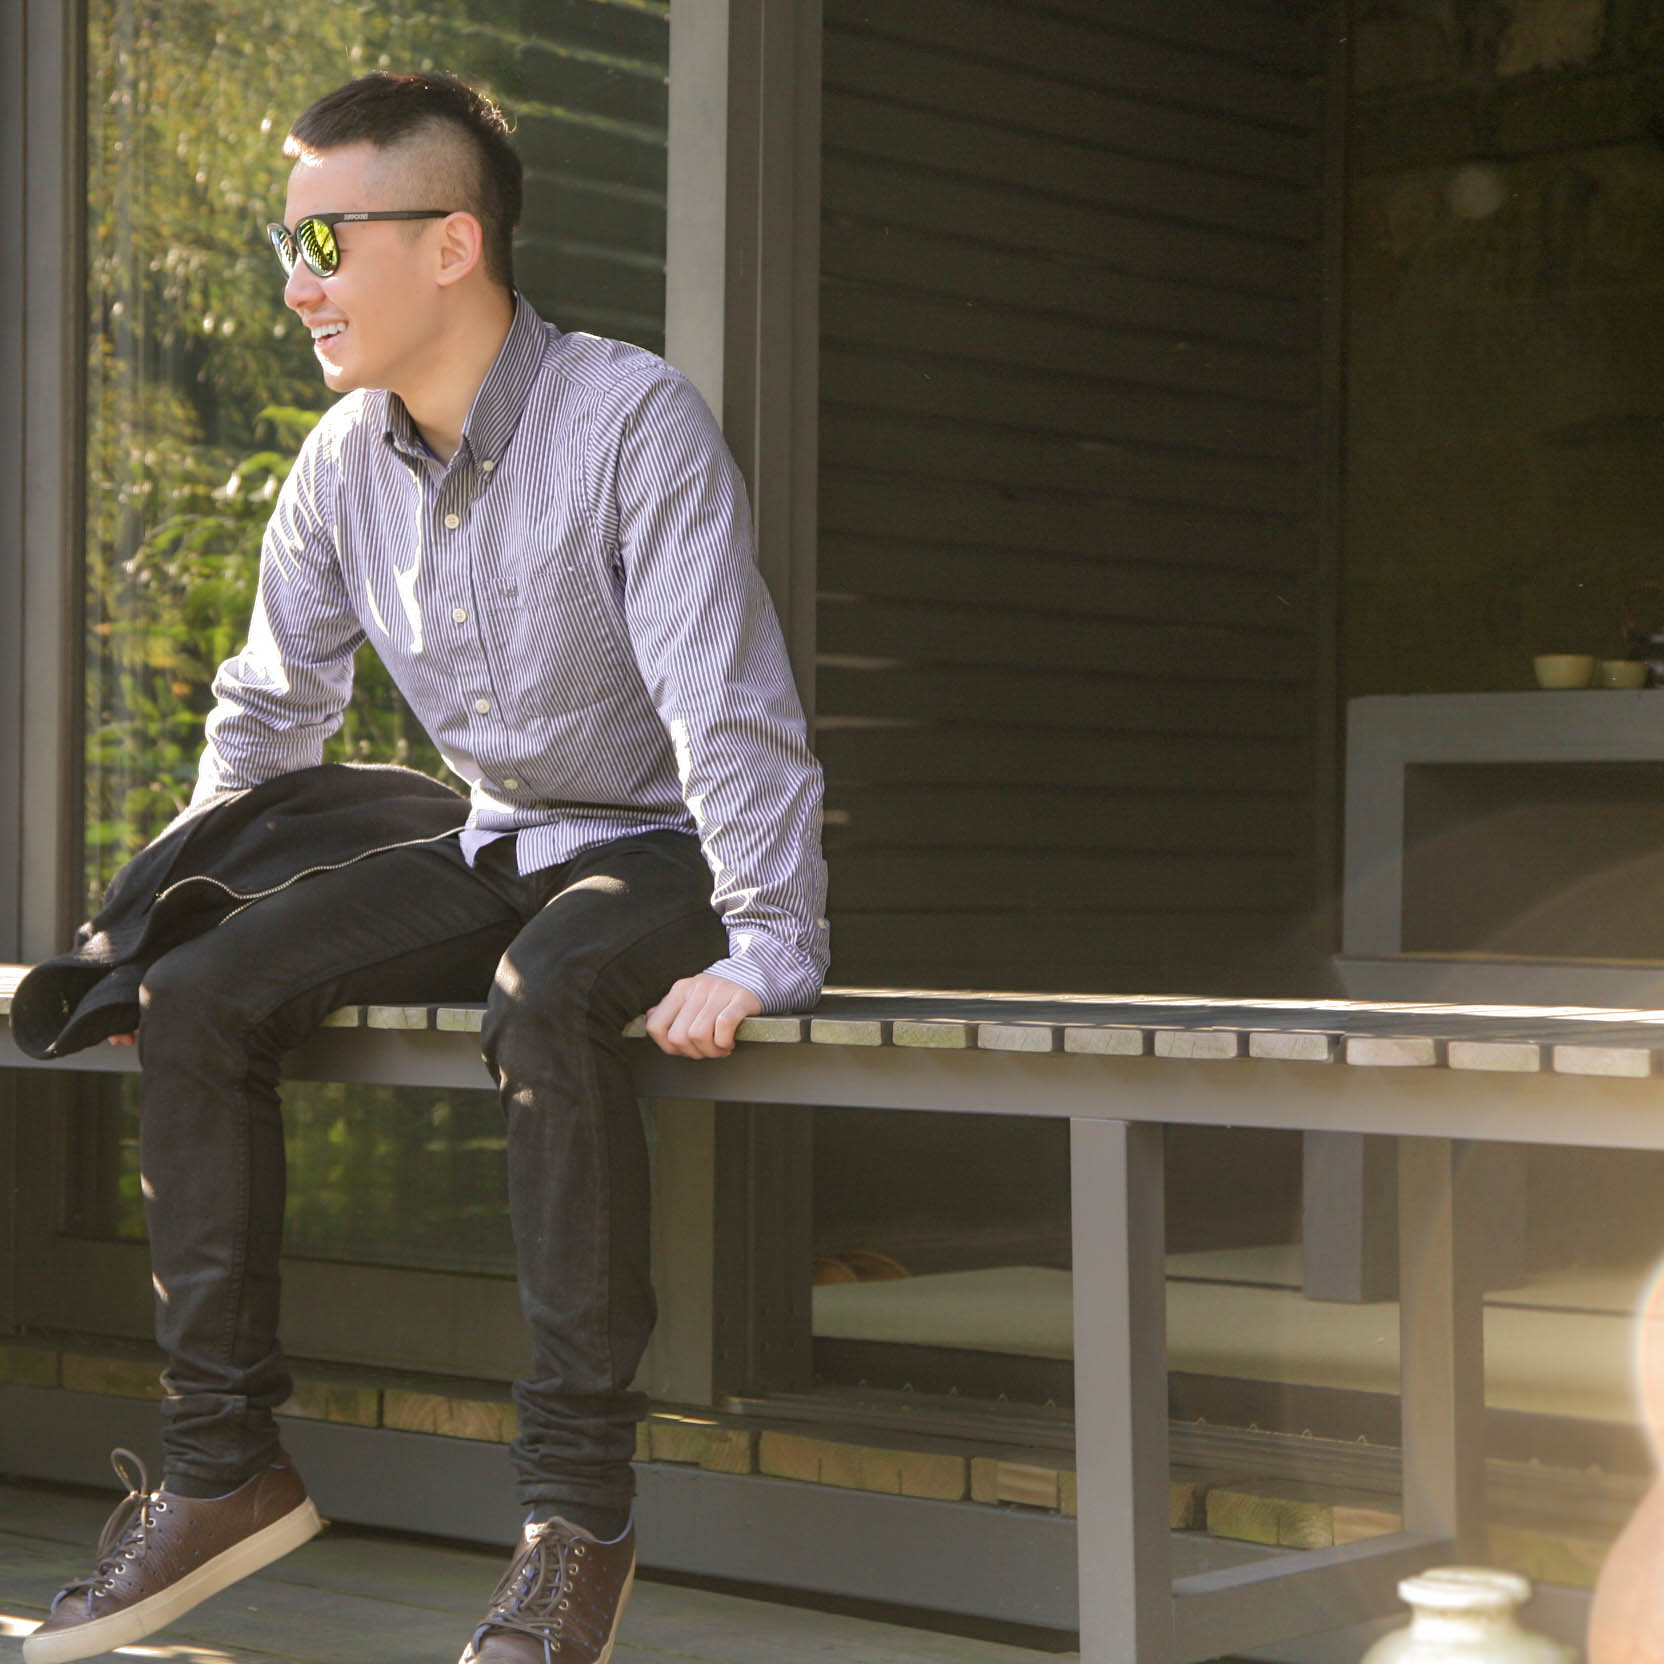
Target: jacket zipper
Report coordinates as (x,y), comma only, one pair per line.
(247,900)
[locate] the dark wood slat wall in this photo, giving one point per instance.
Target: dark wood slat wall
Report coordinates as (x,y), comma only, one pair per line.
(585,83)
(1071,611)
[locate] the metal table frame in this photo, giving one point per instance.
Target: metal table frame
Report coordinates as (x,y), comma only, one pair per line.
(1119,1073)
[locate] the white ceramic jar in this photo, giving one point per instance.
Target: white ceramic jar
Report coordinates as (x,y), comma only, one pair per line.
(1465,1615)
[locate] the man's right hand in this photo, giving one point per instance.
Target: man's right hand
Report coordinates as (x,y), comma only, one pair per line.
(123,1039)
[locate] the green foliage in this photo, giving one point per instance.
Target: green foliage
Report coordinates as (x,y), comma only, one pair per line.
(372,1169)
(201,385)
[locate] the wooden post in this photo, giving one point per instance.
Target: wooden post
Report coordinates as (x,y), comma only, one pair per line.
(742,266)
(678,1367)
(41,367)
(731,1251)
(1349,1208)
(1441,1345)
(742,321)
(1120,1293)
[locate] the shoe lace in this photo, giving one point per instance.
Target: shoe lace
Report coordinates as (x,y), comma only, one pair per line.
(526,1599)
(125,1531)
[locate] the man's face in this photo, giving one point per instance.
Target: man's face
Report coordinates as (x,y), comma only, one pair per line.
(374,321)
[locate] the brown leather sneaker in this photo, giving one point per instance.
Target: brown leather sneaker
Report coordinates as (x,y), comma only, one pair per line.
(559,1601)
(160,1555)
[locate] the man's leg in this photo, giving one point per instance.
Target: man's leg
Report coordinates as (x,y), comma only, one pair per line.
(219,1012)
(632,917)
(626,920)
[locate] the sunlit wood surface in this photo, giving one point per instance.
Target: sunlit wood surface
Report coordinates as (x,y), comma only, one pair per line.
(352,1597)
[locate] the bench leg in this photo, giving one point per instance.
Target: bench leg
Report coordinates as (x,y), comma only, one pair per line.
(1349,1207)
(1120,1293)
(732,1258)
(1350,1213)
(680,1363)
(1442,1343)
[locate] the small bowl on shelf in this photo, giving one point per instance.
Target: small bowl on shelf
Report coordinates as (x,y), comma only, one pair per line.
(1621,673)
(1563,670)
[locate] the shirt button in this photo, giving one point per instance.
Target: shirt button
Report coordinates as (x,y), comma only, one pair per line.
(488,465)
(483,706)
(511,784)
(453,521)
(460,614)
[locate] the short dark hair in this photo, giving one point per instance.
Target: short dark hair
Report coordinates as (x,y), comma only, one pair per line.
(384,109)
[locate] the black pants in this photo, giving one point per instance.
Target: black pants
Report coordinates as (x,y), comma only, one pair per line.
(565,958)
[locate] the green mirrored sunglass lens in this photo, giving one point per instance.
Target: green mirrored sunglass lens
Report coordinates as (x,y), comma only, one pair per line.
(317,243)
(283,244)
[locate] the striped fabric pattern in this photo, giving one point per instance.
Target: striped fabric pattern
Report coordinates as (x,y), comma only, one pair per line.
(572,607)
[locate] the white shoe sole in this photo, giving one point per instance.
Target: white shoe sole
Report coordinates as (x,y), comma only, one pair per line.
(133,1623)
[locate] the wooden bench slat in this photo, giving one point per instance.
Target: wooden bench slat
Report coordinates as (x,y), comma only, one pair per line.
(845,1031)
(1016,1037)
(399,1016)
(1199,1045)
(459,1019)
(1284,1046)
(773,1031)
(1400,1051)
(932,1032)
(1522,1057)
(1106,1041)
(1604,1060)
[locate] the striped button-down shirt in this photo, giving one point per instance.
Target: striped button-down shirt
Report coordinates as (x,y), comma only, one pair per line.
(571,605)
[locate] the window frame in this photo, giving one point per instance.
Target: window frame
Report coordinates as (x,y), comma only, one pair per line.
(742,317)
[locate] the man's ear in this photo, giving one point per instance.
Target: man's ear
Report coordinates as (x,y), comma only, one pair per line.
(461,247)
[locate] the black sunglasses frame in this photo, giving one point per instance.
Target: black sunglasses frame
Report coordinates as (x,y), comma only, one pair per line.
(289,248)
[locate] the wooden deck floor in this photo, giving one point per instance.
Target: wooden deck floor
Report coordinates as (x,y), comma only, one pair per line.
(355,1598)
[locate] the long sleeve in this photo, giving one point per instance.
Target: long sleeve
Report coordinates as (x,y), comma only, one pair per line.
(281,697)
(711,655)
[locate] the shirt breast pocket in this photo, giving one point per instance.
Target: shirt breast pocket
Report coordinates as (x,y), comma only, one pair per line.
(561,650)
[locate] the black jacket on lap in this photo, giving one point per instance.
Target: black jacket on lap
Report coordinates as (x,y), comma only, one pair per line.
(212,861)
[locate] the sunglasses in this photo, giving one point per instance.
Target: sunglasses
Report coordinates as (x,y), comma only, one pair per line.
(313,239)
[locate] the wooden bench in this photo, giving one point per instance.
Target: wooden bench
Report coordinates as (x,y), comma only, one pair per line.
(1119,1072)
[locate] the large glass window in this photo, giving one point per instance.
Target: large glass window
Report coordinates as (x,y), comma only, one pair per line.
(201,385)
(200,388)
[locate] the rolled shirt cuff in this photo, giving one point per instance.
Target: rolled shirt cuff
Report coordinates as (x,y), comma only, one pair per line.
(782,975)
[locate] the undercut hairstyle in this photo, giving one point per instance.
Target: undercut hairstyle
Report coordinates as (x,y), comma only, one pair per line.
(394,111)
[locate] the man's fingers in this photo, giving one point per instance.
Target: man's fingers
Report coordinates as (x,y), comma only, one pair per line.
(700,1016)
(728,1021)
(670,1022)
(662,1015)
(691,1032)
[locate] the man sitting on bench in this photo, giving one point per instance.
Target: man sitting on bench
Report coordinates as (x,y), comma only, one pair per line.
(546,541)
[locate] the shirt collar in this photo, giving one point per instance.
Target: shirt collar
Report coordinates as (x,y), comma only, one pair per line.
(502,395)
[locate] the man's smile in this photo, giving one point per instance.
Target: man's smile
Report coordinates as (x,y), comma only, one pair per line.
(323,335)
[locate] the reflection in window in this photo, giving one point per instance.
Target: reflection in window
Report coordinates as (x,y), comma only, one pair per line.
(201,387)
(378,1175)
